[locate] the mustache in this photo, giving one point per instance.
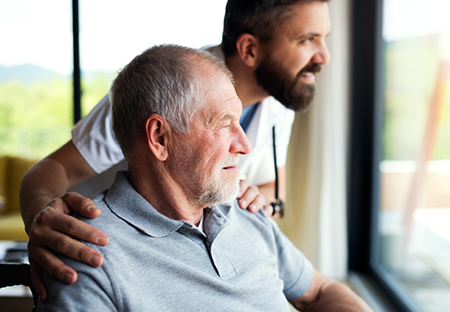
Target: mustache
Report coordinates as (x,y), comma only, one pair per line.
(311,68)
(231,160)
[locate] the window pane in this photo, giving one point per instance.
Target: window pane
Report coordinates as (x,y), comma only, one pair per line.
(414,215)
(35,76)
(112,32)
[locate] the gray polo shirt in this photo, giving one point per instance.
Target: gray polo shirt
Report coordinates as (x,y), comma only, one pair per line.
(242,261)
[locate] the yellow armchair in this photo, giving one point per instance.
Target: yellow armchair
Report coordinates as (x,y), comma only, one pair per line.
(12,170)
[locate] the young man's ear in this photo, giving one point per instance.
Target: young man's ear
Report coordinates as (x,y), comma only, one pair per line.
(249,49)
(157,136)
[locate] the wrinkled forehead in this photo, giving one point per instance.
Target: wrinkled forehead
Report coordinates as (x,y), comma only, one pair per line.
(220,100)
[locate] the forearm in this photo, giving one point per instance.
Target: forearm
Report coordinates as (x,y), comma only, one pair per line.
(50,178)
(43,182)
(46,210)
(334,297)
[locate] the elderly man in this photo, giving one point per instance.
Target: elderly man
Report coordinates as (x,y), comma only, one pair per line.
(178,239)
(273,48)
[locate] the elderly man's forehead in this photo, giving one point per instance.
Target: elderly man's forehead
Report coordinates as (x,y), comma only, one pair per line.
(221,102)
(207,65)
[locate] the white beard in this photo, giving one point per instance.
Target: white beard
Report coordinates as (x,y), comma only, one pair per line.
(220,191)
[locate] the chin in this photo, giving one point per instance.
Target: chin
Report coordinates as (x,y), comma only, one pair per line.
(229,195)
(221,192)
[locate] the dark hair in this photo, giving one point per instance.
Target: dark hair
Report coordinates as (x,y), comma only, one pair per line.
(256,17)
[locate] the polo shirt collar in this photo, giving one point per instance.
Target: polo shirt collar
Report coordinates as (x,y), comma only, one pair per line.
(125,202)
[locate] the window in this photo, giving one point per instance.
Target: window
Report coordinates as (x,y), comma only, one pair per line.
(35,76)
(39,97)
(401,150)
(113,32)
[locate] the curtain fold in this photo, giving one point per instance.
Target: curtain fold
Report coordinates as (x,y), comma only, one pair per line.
(316,216)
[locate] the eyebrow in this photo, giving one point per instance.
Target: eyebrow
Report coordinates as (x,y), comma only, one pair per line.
(217,120)
(309,35)
(226,117)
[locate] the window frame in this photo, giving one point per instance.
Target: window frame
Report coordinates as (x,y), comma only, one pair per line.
(76,63)
(365,150)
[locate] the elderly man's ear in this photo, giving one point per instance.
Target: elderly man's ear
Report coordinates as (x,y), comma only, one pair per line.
(157,136)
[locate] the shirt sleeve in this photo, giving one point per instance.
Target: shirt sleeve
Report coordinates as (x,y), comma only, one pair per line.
(92,291)
(295,270)
(94,139)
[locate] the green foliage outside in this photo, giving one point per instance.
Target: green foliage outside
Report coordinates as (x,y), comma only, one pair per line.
(36,118)
(94,89)
(411,68)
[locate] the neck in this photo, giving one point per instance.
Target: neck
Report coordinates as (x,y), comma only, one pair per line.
(247,89)
(164,194)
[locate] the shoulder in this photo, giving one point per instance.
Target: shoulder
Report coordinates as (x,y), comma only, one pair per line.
(257,220)
(104,219)
(93,285)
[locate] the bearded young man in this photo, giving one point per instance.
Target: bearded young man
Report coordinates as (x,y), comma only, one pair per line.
(179,240)
(272,48)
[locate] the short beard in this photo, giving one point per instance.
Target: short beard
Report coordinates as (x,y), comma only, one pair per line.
(220,191)
(291,92)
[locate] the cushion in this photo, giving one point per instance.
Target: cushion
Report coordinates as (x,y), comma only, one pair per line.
(12,227)
(12,170)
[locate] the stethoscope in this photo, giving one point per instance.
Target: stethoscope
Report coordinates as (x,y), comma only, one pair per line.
(278,205)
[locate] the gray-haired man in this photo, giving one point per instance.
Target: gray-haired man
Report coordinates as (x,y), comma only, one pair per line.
(178,239)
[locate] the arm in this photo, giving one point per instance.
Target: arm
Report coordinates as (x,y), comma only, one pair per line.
(93,291)
(325,294)
(50,178)
(46,213)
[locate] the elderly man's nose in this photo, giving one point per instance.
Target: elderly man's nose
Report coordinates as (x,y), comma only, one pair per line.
(240,144)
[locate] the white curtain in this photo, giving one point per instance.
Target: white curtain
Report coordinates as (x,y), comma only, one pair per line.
(316,217)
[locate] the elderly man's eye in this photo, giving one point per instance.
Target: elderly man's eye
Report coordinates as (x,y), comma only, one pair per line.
(307,41)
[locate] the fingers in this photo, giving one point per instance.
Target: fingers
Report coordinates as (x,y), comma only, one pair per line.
(44,236)
(41,257)
(49,220)
(52,231)
(268,211)
(81,204)
(36,278)
(52,264)
(250,198)
(243,186)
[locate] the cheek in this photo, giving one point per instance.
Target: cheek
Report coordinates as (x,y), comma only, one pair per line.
(299,58)
(216,153)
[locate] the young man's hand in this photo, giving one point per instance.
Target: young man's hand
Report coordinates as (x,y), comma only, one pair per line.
(252,199)
(53,229)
